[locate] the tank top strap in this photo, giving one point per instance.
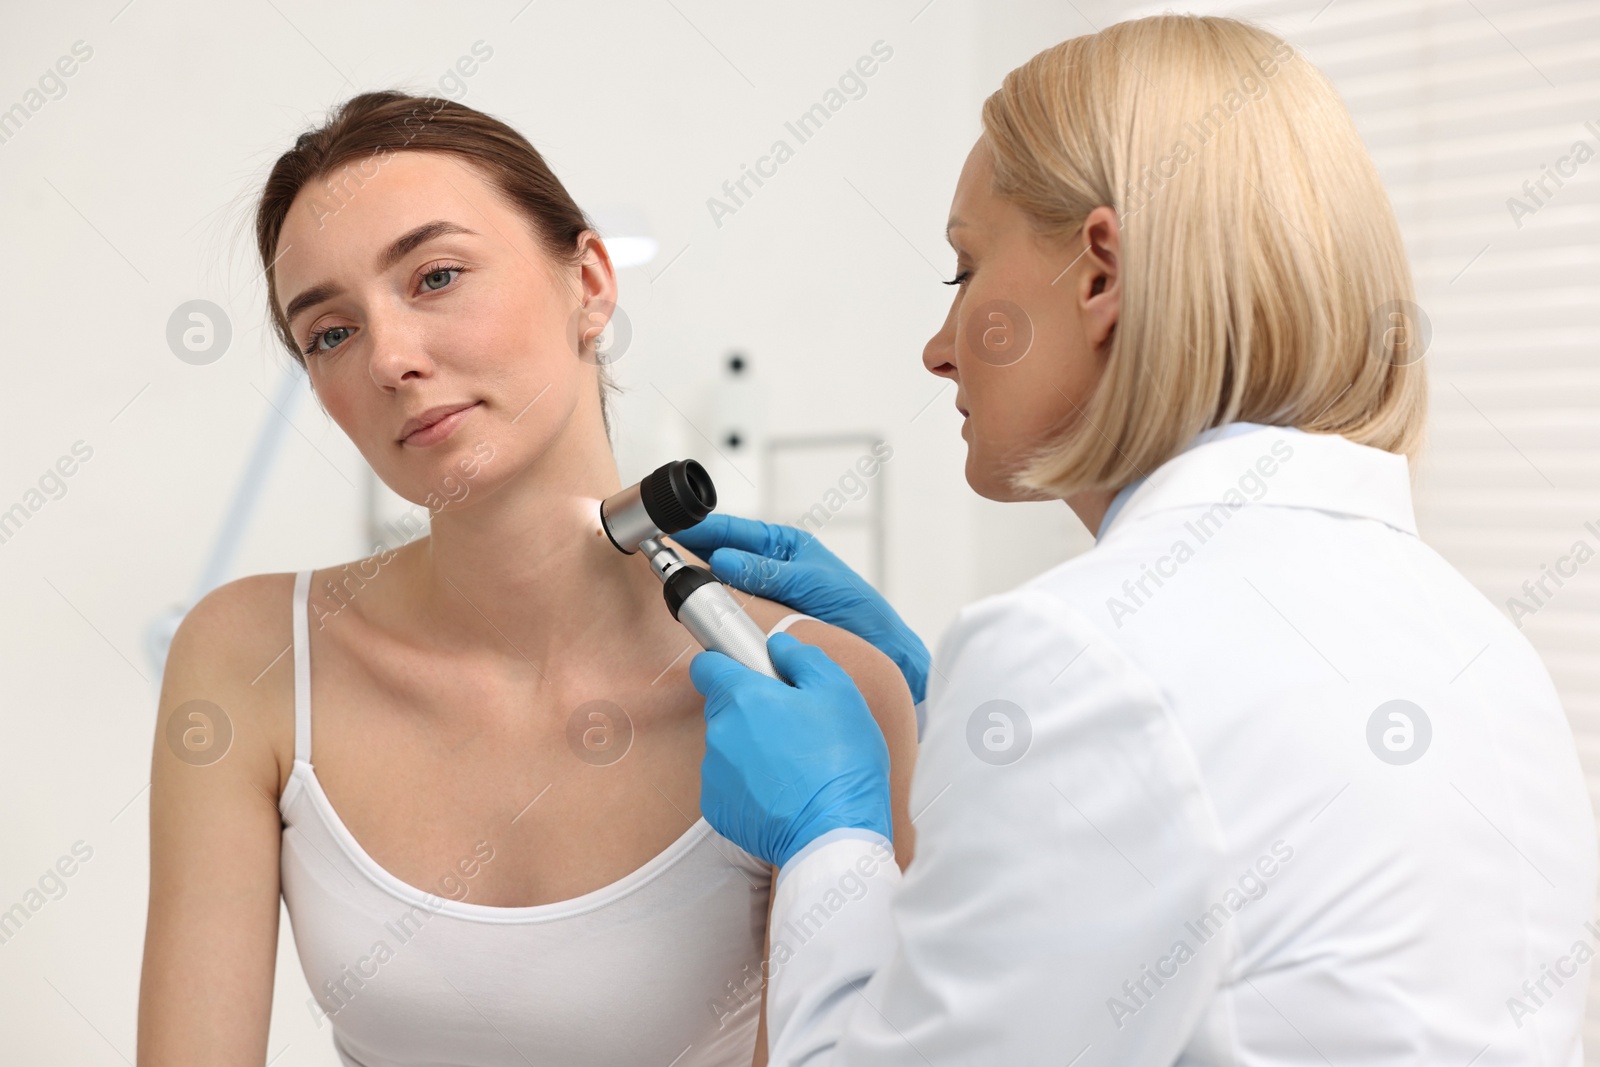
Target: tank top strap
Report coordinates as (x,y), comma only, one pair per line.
(788,621)
(302,668)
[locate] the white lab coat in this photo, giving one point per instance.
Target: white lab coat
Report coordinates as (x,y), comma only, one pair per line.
(1166,811)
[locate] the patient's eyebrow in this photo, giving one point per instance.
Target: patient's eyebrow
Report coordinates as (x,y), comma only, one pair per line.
(398,249)
(954,224)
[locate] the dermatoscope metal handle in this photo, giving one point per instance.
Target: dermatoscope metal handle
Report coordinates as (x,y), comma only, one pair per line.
(708,611)
(672,498)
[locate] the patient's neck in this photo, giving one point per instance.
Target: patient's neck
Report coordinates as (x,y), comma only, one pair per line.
(525,571)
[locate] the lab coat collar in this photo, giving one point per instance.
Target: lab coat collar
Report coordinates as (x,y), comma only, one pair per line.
(1276,466)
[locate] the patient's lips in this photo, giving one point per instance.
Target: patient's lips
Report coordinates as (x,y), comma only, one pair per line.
(435,424)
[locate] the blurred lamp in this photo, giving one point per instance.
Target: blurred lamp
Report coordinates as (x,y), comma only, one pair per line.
(627,236)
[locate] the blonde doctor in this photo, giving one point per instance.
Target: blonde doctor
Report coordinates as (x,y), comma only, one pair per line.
(1258,779)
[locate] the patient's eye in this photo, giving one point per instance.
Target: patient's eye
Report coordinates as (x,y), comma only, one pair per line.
(438,278)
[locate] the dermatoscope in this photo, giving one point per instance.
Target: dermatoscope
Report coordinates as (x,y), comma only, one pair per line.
(674,497)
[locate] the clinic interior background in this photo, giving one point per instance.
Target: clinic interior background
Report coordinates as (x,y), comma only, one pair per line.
(129,185)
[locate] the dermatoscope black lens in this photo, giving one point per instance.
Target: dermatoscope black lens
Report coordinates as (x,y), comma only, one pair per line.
(677,495)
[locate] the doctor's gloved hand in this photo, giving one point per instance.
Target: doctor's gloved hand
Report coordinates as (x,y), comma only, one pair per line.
(785,764)
(792,567)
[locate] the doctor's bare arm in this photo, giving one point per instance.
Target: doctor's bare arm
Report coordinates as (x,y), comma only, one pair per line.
(205,993)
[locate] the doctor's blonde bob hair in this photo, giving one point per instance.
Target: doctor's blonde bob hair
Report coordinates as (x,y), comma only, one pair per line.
(1263,276)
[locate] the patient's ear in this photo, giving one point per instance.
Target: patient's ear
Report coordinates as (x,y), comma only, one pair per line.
(597,278)
(593,282)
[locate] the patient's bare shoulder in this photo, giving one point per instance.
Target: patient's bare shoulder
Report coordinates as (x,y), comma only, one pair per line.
(233,647)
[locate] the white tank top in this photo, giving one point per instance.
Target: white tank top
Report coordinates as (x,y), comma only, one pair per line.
(661,967)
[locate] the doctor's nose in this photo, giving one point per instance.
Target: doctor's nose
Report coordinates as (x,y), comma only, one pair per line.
(939,354)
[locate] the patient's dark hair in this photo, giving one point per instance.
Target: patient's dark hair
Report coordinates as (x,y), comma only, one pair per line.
(366,128)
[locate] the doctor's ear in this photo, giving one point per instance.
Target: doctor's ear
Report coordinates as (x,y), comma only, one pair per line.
(1097,283)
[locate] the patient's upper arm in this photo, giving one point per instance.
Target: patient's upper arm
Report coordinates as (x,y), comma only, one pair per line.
(884,688)
(211,934)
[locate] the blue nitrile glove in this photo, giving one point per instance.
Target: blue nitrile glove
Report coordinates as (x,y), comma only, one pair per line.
(785,764)
(792,567)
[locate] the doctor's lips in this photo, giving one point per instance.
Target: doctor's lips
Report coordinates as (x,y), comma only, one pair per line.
(435,424)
